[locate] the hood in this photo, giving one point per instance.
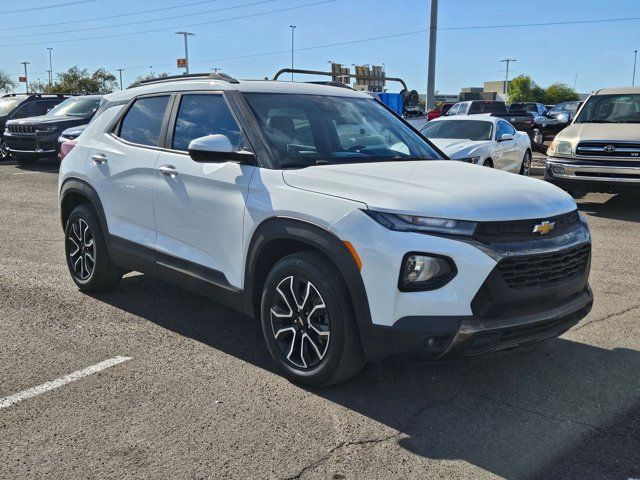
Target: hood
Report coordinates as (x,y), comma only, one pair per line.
(438,188)
(67,120)
(457,148)
(600,131)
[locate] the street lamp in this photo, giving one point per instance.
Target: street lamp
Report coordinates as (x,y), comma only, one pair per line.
(186,49)
(292,27)
(26,78)
(635,57)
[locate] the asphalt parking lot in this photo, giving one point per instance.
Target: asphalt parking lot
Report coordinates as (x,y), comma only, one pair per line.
(193,393)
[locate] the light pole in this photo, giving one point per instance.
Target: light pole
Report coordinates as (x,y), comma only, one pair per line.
(186,49)
(431,71)
(506,81)
(50,68)
(635,57)
(120,70)
(26,78)
(292,27)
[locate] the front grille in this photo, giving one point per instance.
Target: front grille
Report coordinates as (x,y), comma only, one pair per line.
(609,149)
(21,143)
(523,230)
(544,270)
(22,129)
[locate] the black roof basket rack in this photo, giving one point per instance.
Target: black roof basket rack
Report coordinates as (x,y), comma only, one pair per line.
(189,76)
(330,74)
(39,95)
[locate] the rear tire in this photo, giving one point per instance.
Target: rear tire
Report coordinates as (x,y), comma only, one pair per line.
(88,260)
(308,321)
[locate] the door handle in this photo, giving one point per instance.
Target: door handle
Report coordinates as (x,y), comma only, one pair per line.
(169,170)
(99,159)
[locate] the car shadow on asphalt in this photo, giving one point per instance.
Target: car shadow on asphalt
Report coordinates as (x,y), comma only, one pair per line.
(618,207)
(44,165)
(562,410)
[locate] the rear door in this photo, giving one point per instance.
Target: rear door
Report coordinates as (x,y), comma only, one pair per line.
(122,164)
(200,207)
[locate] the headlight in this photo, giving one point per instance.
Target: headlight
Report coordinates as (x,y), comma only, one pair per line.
(45,129)
(421,271)
(469,159)
(558,147)
(411,223)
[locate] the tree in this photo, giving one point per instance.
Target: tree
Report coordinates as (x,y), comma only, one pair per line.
(523,89)
(560,92)
(6,84)
(151,76)
(79,81)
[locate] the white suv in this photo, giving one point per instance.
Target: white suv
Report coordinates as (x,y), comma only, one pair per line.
(319,211)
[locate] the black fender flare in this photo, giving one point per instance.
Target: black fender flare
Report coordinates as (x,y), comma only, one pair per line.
(280,228)
(75,185)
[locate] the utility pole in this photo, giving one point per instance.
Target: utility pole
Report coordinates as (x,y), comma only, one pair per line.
(635,57)
(506,81)
(120,70)
(186,48)
(26,78)
(292,27)
(215,69)
(50,68)
(431,72)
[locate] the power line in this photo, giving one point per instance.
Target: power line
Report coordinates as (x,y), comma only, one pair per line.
(84,20)
(140,21)
(164,29)
(32,9)
(543,24)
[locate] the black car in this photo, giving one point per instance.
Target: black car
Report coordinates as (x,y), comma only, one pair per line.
(33,138)
(15,106)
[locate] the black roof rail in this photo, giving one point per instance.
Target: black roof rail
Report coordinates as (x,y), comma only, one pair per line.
(40,95)
(172,78)
(330,74)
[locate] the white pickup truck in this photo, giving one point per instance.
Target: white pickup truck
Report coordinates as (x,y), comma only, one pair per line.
(600,150)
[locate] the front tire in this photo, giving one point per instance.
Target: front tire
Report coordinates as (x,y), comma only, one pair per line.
(525,168)
(88,260)
(308,321)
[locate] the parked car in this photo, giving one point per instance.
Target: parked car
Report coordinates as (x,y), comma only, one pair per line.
(15,106)
(548,121)
(522,121)
(600,150)
(438,112)
(30,139)
(67,140)
(317,210)
(481,140)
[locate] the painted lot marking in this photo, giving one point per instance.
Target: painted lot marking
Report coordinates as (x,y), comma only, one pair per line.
(71,377)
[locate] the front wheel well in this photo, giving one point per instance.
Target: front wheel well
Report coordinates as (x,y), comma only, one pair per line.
(488,162)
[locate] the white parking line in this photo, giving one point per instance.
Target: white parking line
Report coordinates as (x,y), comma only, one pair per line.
(71,377)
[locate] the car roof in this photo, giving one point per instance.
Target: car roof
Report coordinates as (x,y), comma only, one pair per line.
(486,117)
(245,86)
(618,91)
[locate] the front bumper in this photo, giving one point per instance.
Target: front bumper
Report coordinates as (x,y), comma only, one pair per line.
(606,176)
(34,146)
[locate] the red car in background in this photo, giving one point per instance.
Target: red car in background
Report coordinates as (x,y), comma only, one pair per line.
(438,112)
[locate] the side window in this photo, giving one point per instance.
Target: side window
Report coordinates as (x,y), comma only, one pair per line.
(143,122)
(504,127)
(200,115)
(31,109)
(462,109)
(48,105)
(454,110)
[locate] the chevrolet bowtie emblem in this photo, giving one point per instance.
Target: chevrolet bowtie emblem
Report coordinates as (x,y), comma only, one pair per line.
(544,227)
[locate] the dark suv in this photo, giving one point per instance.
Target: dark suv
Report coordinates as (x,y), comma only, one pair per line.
(30,139)
(14,106)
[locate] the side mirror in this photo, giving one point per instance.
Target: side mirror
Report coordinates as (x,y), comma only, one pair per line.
(216,149)
(563,117)
(505,136)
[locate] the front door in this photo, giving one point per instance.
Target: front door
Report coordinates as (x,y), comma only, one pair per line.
(200,207)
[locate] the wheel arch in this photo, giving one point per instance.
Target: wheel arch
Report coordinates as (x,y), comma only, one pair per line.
(277,237)
(74,192)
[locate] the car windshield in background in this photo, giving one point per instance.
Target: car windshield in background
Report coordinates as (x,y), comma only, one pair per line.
(476,130)
(8,104)
(611,109)
(76,107)
(316,129)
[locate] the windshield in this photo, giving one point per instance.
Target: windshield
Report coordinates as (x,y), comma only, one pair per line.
(611,109)
(476,130)
(76,107)
(317,129)
(8,104)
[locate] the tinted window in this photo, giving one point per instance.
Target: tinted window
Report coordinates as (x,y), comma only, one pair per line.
(9,103)
(487,107)
(620,108)
(31,109)
(76,107)
(143,121)
(464,129)
(504,127)
(202,115)
(454,109)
